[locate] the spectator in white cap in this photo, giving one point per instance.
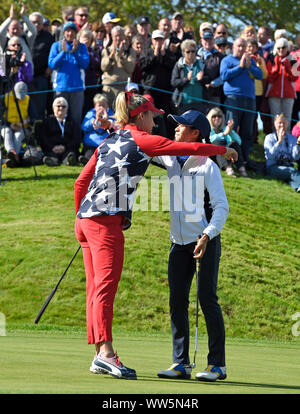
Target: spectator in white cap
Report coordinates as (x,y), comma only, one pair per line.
(109,20)
(157,64)
(12,130)
(205,26)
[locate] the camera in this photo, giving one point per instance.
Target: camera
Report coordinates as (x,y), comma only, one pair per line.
(12,61)
(284,161)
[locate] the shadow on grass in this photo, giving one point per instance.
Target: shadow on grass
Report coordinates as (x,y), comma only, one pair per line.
(223,383)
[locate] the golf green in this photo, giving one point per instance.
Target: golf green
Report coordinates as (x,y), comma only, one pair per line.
(58,363)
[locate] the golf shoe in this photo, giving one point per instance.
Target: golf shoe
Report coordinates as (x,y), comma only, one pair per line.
(176,371)
(212,373)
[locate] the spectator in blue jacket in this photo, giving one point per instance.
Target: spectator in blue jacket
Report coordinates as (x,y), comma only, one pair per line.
(68,59)
(238,71)
(95,126)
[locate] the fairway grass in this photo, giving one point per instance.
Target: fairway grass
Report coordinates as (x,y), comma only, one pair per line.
(58,363)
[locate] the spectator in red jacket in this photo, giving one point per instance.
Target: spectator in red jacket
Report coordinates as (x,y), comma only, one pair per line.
(296,68)
(281,91)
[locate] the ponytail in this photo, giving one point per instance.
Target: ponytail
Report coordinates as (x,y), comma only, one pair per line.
(125,103)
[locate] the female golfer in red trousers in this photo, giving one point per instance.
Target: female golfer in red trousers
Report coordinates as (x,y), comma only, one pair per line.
(104,196)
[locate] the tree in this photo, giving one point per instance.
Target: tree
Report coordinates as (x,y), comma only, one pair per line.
(278,14)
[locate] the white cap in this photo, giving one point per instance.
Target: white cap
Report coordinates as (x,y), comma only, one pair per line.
(110,17)
(130,86)
(20,90)
(158,34)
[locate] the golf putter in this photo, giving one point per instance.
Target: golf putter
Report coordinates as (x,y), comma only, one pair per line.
(197,311)
(43,308)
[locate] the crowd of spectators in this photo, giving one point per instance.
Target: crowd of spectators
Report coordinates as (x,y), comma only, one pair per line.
(89,62)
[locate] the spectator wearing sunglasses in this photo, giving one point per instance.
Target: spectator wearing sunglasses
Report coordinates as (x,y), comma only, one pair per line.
(58,136)
(81,17)
(281,92)
(187,78)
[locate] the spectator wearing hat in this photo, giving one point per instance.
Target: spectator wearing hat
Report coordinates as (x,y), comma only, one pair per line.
(211,58)
(178,34)
(157,64)
(46,24)
(14,129)
(116,64)
(238,72)
(13,27)
(109,20)
(41,77)
(55,26)
(203,27)
(68,59)
(281,91)
(144,28)
(132,87)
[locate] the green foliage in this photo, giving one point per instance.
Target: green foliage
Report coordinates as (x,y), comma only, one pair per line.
(259,282)
(277,14)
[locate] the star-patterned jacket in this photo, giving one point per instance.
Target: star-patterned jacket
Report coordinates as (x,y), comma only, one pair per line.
(108,182)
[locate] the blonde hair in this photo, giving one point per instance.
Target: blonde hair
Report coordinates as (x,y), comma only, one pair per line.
(100,98)
(247,29)
(85,33)
(123,107)
(216,111)
(188,43)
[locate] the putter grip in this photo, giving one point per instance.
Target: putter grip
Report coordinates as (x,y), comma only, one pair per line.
(45,305)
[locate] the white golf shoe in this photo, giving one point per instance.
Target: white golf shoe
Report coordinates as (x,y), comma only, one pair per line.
(212,373)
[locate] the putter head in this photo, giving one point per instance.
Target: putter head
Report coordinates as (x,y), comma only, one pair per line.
(193,365)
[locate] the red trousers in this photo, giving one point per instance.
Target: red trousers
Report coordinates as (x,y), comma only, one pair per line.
(102,243)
